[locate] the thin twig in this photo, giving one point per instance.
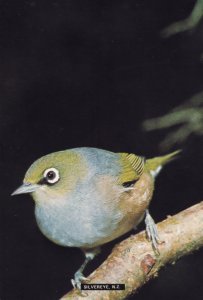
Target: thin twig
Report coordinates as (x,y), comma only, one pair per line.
(187,24)
(188,119)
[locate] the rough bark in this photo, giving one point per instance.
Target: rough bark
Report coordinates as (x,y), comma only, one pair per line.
(133,261)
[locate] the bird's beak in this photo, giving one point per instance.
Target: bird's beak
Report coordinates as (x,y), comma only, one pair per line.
(26,188)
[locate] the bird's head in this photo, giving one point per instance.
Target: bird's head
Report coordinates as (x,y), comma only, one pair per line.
(53,176)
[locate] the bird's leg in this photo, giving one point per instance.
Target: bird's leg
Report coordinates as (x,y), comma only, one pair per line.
(78,276)
(152,232)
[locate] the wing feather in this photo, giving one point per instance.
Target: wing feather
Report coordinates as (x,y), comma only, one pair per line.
(132,167)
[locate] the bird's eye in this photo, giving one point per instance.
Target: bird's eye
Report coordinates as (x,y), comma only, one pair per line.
(51,175)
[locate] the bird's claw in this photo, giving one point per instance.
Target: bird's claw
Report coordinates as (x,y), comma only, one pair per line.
(152,233)
(78,278)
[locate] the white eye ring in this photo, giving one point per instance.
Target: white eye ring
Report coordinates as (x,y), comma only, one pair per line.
(51,175)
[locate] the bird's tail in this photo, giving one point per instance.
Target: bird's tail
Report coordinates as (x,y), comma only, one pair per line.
(154,165)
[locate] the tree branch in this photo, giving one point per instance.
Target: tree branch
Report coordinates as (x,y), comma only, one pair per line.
(133,262)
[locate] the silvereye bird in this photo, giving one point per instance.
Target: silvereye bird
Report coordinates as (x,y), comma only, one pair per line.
(86,197)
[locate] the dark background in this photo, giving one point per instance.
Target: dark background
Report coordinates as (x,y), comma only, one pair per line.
(87,73)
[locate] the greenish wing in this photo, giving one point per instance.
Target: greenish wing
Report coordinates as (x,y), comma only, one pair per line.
(132,167)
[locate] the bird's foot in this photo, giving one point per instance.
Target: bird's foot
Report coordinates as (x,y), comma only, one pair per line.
(78,279)
(152,233)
